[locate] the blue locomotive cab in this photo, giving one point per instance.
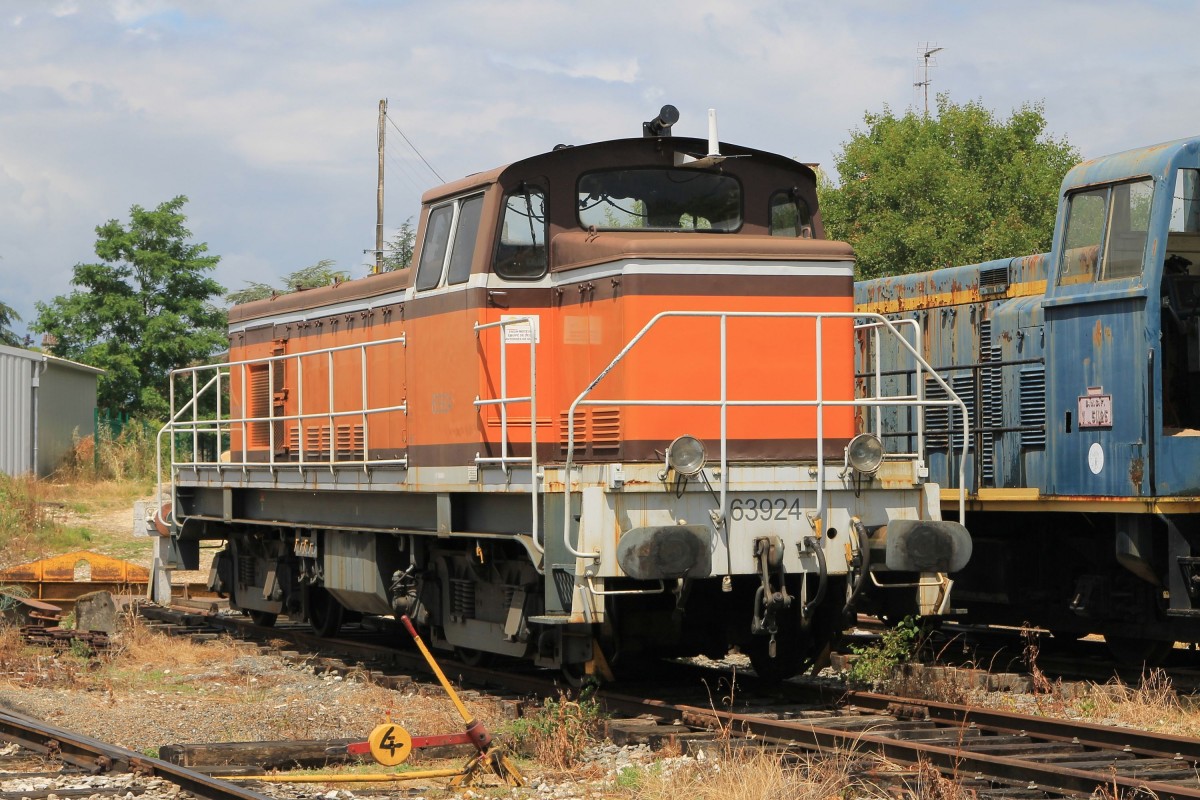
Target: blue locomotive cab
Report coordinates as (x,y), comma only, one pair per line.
(1080,372)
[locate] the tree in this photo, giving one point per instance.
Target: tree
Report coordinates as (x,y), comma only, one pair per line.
(144,310)
(321,273)
(399,250)
(8,316)
(920,192)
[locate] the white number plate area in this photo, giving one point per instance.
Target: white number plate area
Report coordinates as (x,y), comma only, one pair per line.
(1095,411)
(766,508)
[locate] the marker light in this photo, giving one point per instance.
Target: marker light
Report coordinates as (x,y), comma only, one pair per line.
(865,453)
(686,455)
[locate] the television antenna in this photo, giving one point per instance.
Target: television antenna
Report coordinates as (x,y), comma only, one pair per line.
(927,55)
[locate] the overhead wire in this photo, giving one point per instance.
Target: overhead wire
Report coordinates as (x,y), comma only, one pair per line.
(414,148)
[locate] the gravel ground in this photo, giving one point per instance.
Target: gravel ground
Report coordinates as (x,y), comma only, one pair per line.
(234,693)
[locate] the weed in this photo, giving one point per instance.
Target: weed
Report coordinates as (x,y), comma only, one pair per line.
(559,732)
(129,455)
(754,774)
(876,664)
(150,752)
(630,777)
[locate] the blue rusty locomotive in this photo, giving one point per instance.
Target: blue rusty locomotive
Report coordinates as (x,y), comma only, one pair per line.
(1081,374)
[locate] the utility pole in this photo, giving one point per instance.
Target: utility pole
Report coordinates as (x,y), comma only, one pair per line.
(927,52)
(379,194)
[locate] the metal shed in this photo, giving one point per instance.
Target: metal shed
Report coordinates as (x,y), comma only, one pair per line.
(44,403)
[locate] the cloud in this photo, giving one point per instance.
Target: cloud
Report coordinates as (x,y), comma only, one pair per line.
(264,113)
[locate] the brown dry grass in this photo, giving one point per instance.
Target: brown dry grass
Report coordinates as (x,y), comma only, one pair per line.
(758,775)
(1153,704)
(558,733)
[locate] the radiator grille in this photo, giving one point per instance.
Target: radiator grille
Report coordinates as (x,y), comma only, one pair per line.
(993,401)
(993,280)
(1033,407)
(597,430)
(938,418)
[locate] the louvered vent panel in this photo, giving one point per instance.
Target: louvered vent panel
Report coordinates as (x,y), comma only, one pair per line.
(260,405)
(316,439)
(350,439)
(581,431)
(938,418)
(606,430)
(1033,407)
(993,279)
(964,387)
(993,408)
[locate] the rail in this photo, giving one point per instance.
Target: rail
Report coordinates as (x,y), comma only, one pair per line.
(206,416)
(870,321)
(505,460)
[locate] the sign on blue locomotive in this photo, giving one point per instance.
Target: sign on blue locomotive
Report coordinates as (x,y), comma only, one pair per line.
(1080,369)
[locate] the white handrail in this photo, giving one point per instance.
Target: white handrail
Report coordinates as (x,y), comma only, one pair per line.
(504,401)
(723,402)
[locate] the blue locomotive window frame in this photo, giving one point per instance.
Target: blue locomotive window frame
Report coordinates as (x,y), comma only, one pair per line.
(1107,231)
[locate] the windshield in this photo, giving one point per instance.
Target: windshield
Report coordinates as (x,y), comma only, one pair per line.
(660,199)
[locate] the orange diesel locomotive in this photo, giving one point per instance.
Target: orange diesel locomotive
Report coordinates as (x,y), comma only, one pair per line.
(608,412)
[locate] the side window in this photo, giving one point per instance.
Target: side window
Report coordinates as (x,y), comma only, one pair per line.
(1081,246)
(433,249)
(1128,225)
(1106,233)
(1185,202)
(521,251)
(790,215)
(465,232)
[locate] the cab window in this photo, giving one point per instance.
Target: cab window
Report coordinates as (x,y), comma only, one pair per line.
(465,232)
(659,200)
(433,248)
(1107,229)
(521,251)
(790,215)
(449,237)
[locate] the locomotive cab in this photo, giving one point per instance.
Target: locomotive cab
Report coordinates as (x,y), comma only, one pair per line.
(608,412)
(1080,369)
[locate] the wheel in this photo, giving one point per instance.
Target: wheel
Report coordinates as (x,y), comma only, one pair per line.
(325,613)
(472,657)
(1134,652)
(263,618)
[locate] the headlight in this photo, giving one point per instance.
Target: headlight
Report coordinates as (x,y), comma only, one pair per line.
(686,455)
(865,453)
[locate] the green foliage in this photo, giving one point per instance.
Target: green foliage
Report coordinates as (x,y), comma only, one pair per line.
(398,251)
(144,310)
(876,664)
(322,273)
(7,317)
(921,192)
(559,732)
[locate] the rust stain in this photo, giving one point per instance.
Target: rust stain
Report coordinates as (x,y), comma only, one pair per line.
(1136,471)
(1098,335)
(61,569)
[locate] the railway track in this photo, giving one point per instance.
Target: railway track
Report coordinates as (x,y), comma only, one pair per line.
(995,754)
(83,758)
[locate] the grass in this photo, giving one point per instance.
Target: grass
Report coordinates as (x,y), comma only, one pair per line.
(746,774)
(86,505)
(558,734)
(876,665)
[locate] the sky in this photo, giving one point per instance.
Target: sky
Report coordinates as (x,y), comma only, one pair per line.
(264,113)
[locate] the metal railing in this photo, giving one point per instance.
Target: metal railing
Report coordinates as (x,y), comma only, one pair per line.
(212,427)
(505,460)
(723,403)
